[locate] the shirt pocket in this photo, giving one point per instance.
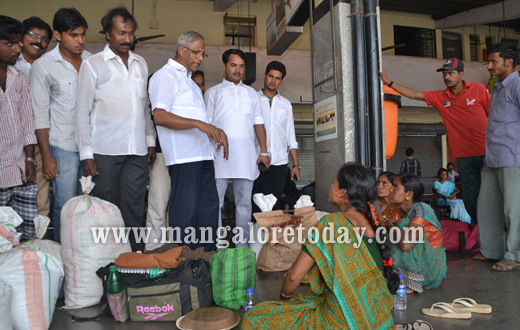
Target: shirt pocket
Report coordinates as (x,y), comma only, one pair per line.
(141,87)
(281,115)
(66,89)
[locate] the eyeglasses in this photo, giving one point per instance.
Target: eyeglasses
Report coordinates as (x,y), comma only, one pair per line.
(197,52)
(35,36)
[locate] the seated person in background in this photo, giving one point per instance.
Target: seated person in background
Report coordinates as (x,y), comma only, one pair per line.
(338,293)
(446,191)
(417,260)
(452,175)
(383,204)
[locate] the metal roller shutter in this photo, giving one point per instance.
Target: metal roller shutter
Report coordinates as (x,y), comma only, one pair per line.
(427,149)
(305,139)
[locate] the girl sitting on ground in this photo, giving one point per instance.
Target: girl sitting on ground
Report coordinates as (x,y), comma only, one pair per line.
(348,290)
(421,258)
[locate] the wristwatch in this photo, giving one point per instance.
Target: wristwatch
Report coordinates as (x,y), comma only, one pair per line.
(267,154)
(29,159)
(297,166)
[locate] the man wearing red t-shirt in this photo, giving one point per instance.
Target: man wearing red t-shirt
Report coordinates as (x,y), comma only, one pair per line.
(463,107)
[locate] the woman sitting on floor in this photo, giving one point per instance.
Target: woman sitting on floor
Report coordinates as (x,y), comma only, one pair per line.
(348,290)
(383,205)
(446,191)
(423,263)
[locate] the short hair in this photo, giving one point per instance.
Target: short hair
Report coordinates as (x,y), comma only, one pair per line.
(187,38)
(67,19)
(275,65)
(409,152)
(107,21)
(507,50)
(439,172)
(414,184)
(9,27)
(229,52)
(448,165)
(198,72)
(36,22)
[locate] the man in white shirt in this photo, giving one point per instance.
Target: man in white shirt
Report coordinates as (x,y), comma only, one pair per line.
(114,129)
(279,128)
(54,84)
(35,40)
(235,108)
(186,140)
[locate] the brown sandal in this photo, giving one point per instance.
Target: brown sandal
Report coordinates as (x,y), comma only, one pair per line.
(504,263)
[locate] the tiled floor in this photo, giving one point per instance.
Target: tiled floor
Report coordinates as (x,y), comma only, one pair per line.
(465,278)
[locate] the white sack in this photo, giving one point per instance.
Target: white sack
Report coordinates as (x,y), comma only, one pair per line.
(6,300)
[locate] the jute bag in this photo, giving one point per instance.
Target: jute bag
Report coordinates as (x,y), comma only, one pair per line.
(282,249)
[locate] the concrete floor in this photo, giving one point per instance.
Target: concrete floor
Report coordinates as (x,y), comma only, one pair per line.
(466,278)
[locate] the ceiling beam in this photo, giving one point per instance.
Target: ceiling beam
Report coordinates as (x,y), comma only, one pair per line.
(482,15)
(222,5)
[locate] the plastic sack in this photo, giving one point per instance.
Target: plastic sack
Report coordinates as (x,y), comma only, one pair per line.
(41,223)
(35,278)
(82,255)
(8,241)
(6,300)
(8,215)
(303,201)
(264,202)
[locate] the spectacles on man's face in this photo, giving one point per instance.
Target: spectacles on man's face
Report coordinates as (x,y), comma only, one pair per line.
(197,52)
(35,36)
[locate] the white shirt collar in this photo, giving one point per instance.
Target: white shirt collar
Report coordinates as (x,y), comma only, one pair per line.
(228,83)
(262,93)
(108,54)
(179,67)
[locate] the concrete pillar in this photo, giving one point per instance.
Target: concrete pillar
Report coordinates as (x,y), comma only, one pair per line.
(330,154)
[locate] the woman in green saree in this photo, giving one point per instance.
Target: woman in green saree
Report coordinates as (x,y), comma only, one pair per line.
(348,290)
(422,261)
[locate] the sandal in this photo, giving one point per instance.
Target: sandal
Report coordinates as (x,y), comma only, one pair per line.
(403,326)
(479,257)
(445,311)
(470,305)
(504,263)
(421,325)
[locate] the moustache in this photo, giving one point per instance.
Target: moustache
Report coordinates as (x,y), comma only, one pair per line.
(36,44)
(125,44)
(447,81)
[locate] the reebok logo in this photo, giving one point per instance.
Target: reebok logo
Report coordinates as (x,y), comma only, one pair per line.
(155,312)
(468,102)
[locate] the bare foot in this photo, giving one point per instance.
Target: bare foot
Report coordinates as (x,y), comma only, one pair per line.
(507,263)
(409,291)
(479,257)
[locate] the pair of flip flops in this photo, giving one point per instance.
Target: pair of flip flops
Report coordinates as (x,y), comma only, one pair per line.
(459,309)
(417,325)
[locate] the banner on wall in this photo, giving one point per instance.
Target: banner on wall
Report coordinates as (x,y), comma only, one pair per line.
(280,35)
(325,120)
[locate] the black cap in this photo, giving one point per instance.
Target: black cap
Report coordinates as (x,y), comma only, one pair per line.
(452,64)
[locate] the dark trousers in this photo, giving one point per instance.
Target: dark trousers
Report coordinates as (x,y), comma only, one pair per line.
(470,168)
(194,201)
(271,182)
(122,181)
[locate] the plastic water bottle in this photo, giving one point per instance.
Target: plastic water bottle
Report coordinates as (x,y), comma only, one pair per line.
(153,272)
(400,295)
(114,284)
(249,301)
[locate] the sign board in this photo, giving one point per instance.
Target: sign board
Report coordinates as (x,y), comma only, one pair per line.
(325,120)
(280,35)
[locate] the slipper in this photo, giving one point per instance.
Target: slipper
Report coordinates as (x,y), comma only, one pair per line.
(479,257)
(445,311)
(421,325)
(403,326)
(470,305)
(504,263)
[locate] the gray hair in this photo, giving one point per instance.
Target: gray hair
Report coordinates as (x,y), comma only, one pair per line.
(187,38)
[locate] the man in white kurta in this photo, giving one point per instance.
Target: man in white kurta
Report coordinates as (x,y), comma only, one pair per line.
(235,108)
(114,129)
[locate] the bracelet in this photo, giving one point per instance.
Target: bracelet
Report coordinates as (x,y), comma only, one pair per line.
(390,84)
(266,154)
(29,159)
(284,296)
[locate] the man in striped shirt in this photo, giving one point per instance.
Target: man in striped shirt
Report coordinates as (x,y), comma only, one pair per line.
(17,139)
(411,165)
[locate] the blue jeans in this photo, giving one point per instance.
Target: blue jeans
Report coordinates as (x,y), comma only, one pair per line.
(67,185)
(243,189)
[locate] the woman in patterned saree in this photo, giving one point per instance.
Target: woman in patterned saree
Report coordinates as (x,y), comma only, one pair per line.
(348,290)
(423,263)
(383,204)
